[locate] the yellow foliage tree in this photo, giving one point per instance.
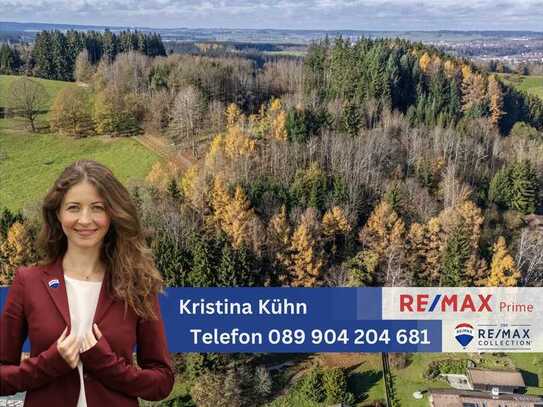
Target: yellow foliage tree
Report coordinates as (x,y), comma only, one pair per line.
(237,218)
(237,143)
(335,222)
(503,270)
(158,176)
(424,62)
(470,217)
(220,198)
(383,229)
(466,72)
(233,214)
(16,250)
(233,115)
(450,68)
(384,235)
(279,229)
(495,100)
(473,91)
(278,120)
(188,180)
(215,154)
(334,227)
(307,262)
(279,233)
(162,173)
(435,65)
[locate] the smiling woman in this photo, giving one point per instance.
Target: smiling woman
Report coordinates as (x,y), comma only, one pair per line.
(83,217)
(88,305)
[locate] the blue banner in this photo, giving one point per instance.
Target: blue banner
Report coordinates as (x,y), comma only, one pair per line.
(287,320)
(390,319)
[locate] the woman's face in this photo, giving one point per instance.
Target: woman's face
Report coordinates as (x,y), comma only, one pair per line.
(83,216)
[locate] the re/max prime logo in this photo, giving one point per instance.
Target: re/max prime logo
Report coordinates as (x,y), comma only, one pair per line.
(461,303)
(445,303)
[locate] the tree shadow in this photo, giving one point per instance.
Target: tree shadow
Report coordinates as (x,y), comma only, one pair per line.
(360,383)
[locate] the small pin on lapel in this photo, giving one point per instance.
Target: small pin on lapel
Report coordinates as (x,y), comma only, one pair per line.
(54,283)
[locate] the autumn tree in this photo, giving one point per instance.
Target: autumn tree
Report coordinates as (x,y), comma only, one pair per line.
(279,235)
(383,234)
(307,261)
(83,70)
(424,62)
(474,94)
(234,216)
(27,98)
(233,115)
(461,261)
(16,250)
(277,118)
(8,218)
(71,113)
(335,227)
(495,95)
(424,250)
(162,173)
(116,113)
(503,270)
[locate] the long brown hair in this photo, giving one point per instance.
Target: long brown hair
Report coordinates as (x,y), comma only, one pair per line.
(131,275)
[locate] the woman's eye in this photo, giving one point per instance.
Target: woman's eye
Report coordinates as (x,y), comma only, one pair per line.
(98,208)
(72,208)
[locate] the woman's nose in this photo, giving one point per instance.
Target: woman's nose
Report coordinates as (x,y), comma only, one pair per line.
(85,216)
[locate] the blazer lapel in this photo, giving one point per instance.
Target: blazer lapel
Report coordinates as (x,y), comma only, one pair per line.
(53,279)
(60,296)
(104,302)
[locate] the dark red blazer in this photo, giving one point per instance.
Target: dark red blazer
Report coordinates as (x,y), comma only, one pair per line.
(36,307)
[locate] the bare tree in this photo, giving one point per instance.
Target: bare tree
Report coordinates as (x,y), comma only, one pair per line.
(186,115)
(529,257)
(27,98)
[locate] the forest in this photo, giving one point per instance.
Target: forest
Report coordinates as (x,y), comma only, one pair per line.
(368,163)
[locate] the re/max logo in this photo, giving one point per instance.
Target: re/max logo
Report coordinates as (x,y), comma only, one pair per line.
(444,303)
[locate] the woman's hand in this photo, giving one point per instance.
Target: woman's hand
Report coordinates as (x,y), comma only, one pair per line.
(68,347)
(90,339)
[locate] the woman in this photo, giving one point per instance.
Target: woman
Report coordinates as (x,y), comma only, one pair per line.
(89,305)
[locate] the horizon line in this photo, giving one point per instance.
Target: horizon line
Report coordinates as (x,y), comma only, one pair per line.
(104,26)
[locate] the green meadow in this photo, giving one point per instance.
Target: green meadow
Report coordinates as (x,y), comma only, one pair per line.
(29,163)
(532,84)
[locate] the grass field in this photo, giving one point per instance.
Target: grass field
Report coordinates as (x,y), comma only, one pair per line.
(52,87)
(29,163)
(532,84)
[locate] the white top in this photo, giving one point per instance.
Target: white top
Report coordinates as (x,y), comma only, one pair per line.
(82,302)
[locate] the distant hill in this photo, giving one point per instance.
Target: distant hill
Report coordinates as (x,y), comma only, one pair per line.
(27,30)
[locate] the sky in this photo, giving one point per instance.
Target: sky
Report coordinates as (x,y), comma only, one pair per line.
(285,14)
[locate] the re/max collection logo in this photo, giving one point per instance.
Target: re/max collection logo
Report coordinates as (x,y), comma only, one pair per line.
(445,303)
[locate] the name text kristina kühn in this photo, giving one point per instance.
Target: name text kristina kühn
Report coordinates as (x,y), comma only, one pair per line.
(274,306)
